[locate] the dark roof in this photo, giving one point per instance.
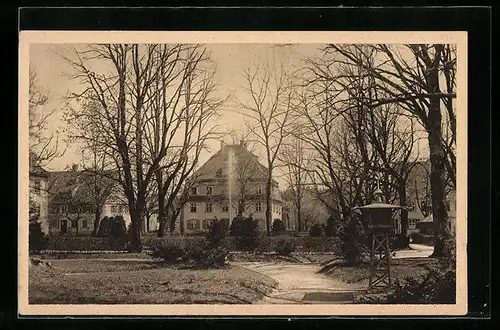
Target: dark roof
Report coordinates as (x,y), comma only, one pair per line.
(218,162)
(66,184)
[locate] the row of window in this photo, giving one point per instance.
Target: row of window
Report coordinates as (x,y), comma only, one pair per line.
(74,223)
(209,207)
(196,224)
(209,190)
(64,209)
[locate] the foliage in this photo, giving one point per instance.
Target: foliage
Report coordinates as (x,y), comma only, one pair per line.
(169,253)
(278,227)
(437,287)
(210,257)
(113,227)
(285,247)
(246,231)
(217,232)
(354,238)
(82,243)
(317,230)
(37,239)
(331,227)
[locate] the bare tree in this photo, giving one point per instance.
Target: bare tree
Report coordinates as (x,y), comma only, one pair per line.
(145,94)
(294,157)
(43,146)
(411,76)
(268,115)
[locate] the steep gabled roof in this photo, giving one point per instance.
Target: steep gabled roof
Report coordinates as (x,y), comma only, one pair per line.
(218,164)
(70,184)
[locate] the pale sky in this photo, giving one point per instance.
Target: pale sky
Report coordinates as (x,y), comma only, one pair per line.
(231,61)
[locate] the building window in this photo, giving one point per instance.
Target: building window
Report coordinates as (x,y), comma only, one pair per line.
(206,223)
(208,207)
(193,208)
(114,209)
(74,223)
(84,224)
(64,209)
(258,207)
(258,190)
(37,187)
(194,191)
(193,224)
(54,210)
(225,208)
(210,190)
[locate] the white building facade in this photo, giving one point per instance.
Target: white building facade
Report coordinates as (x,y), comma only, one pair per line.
(220,190)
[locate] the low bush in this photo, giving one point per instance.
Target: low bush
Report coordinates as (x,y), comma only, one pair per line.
(113,227)
(285,247)
(210,257)
(278,228)
(317,230)
(246,233)
(217,233)
(75,243)
(170,254)
(437,287)
(37,238)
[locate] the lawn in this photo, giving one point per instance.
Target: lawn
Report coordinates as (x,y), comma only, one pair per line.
(142,282)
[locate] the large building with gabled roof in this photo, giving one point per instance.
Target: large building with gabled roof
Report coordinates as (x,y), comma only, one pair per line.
(232,181)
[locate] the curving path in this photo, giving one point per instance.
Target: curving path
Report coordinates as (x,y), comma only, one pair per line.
(301,284)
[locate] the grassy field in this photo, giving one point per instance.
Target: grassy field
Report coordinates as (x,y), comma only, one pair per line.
(142,282)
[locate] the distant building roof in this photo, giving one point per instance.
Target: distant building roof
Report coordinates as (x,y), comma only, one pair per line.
(216,168)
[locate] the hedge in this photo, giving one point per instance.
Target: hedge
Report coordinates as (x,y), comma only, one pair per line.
(265,243)
(85,243)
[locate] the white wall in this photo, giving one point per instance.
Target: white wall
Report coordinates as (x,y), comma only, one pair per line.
(218,212)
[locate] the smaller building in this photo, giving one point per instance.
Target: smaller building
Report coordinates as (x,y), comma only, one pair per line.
(72,204)
(39,197)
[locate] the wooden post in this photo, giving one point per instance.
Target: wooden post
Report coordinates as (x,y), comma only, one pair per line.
(380,269)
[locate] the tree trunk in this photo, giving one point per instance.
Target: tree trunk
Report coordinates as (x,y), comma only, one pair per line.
(404,217)
(268,204)
(161,215)
(135,239)
(437,157)
(97,221)
(299,209)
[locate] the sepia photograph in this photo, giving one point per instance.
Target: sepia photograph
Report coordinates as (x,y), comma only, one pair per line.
(243,173)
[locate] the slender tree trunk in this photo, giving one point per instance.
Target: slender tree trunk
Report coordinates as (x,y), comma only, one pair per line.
(97,221)
(268,203)
(161,215)
(404,216)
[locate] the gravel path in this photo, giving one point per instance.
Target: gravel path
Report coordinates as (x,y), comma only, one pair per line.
(301,284)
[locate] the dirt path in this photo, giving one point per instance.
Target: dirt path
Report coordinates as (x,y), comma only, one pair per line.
(301,284)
